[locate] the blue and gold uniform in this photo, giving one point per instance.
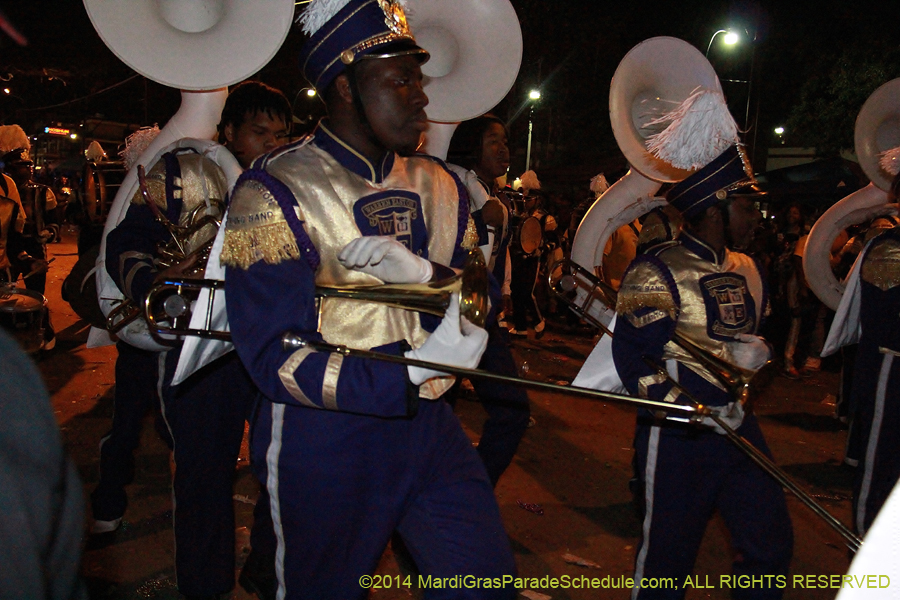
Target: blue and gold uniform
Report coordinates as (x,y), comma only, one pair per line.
(689,471)
(876,391)
(346,446)
(205,414)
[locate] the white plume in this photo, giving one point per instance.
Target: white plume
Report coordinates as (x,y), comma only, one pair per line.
(530,181)
(699,130)
(890,161)
(12,137)
(136,143)
(319,12)
(95,152)
(599,184)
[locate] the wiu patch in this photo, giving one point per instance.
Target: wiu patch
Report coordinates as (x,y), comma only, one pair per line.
(393,213)
(730,308)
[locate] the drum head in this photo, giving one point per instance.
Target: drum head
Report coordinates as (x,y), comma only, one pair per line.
(530,235)
(21,314)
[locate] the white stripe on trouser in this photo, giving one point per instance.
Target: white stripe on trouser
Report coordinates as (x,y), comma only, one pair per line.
(649,478)
(649,485)
(272,455)
(874,434)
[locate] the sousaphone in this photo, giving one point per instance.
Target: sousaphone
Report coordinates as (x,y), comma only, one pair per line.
(199,47)
(652,79)
(877,131)
(476,51)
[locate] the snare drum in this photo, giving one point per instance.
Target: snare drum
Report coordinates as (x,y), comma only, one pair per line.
(527,235)
(22,315)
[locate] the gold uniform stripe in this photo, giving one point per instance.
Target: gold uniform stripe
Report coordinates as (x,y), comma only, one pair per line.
(646,381)
(330,381)
(286,374)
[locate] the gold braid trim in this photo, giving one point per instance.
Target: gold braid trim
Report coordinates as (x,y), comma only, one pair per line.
(470,237)
(645,286)
(272,243)
(256,229)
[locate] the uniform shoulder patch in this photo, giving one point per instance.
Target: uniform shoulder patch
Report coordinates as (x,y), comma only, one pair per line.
(648,284)
(881,265)
(262,224)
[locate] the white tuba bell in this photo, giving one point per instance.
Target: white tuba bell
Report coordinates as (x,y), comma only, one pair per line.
(199,47)
(877,131)
(476,51)
(653,78)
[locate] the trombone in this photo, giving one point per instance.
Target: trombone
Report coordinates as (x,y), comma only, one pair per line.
(734,379)
(177,295)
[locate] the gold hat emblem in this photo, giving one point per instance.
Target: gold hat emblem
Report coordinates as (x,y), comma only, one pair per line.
(395,18)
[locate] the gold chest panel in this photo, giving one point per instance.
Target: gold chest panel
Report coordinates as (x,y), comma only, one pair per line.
(881,266)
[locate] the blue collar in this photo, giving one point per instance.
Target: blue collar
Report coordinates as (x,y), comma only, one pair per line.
(701,248)
(349,158)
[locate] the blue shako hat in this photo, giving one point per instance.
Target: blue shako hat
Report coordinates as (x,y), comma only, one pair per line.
(359,29)
(714,182)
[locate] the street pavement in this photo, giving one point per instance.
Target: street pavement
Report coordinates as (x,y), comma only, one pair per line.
(565,499)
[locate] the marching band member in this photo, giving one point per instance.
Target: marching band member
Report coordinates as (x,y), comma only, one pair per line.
(874,393)
(37,204)
(346,447)
(478,154)
(715,298)
(526,268)
(867,312)
(206,413)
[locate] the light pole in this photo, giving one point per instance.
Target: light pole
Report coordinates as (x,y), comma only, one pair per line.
(534,96)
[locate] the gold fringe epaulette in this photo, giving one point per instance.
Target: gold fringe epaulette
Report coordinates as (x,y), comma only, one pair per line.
(645,286)
(470,237)
(881,266)
(256,229)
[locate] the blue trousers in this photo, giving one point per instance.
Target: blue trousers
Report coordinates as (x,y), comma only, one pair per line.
(687,475)
(506,405)
(137,372)
(206,415)
(341,484)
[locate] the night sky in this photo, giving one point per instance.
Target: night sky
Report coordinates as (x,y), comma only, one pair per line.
(570,52)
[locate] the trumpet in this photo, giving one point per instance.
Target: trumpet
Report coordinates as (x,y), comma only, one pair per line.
(733,378)
(181,249)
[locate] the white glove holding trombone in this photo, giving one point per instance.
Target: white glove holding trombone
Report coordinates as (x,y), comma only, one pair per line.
(456,342)
(750,353)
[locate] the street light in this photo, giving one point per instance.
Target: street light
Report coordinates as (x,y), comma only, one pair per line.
(731,38)
(534,95)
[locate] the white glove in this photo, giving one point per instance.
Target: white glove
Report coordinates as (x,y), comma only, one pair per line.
(385,258)
(732,414)
(456,342)
(750,352)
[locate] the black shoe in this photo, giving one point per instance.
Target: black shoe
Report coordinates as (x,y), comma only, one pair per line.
(258,576)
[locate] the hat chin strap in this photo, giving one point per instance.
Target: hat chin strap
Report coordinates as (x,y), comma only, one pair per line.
(357,97)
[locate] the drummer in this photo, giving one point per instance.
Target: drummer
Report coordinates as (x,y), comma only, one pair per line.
(35,219)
